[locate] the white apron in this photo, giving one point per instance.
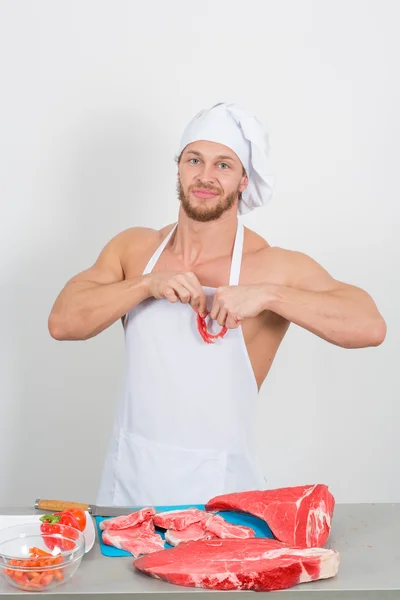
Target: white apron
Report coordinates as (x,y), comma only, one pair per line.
(183,432)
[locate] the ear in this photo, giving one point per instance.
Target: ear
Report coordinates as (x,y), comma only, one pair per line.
(244,182)
(178,163)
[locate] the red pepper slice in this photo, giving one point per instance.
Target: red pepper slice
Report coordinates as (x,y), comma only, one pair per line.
(201,326)
(205,334)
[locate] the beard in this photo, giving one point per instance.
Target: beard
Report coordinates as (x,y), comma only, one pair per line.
(203,213)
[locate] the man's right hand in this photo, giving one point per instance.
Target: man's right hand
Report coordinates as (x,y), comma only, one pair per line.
(175,286)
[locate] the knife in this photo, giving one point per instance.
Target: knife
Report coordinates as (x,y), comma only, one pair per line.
(93,509)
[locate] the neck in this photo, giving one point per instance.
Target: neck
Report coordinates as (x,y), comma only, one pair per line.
(196,242)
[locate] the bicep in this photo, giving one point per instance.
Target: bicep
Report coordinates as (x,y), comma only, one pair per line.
(109,266)
(107,269)
(307,274)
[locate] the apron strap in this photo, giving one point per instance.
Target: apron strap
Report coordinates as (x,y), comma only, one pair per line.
(157,253)
(237,255)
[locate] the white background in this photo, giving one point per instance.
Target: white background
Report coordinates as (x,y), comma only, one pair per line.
(94,97)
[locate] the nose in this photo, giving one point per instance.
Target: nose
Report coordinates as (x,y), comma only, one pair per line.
(207,174)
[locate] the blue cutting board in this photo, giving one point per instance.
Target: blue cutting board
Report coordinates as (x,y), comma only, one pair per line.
(260,527)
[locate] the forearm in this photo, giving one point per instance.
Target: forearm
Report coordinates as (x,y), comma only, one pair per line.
(345,317)
(85,309)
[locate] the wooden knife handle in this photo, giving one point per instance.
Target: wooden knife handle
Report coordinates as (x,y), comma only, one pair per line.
(58,505)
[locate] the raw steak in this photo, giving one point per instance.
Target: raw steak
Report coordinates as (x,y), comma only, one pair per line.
(141,539)
(135,518)
(214,526)
(299,516)
(189,534)
(258,564)
(222,529)
(180,519)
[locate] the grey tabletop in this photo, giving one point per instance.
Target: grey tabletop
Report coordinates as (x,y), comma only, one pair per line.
(366,535)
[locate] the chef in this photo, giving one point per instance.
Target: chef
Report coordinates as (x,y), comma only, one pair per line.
(184,426)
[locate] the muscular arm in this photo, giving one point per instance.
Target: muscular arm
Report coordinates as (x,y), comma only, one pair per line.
(97,297)
(339,313)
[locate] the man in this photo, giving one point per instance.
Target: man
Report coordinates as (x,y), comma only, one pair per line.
(184,425)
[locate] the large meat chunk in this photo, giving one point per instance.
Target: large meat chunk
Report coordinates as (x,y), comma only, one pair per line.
(258,564)
(135,518)
(299,516)
(138,540)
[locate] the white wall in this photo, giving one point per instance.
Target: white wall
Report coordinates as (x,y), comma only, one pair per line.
(94,97)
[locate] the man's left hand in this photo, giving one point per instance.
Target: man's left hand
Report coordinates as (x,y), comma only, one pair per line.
(233,304)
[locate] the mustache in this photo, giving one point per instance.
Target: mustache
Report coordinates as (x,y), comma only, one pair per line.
(206,188)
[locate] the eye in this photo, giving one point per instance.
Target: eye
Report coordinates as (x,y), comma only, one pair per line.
(192,159)
(225,165)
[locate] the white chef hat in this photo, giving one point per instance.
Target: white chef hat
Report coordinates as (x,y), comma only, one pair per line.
(229,124)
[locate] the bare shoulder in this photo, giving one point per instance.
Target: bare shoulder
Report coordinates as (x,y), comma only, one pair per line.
(283,266)
(135,235)
(253,242)
(129,247)
(136,244)
(283,257)
(294,261)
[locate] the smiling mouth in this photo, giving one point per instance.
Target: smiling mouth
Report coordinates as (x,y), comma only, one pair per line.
(204,194)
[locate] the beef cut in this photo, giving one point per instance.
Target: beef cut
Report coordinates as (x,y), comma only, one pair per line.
(258,564)
(207,526)
(141,539)
(180,519)
(135,518)
(299,516)
(194,532)
(222,529)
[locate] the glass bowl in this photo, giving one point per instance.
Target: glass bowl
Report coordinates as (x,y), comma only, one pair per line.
(38,558)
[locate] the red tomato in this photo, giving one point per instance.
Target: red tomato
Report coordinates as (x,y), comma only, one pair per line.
(67,518)
(74,517)
(54,528)
(79,516)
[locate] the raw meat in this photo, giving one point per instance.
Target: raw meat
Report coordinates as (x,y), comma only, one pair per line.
(214,526)
(258,564)
(141,539)
(189,534)
(299,516)
(135,518)
(180,519)
(222,529)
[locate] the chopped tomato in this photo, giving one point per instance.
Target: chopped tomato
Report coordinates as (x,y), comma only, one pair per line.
(35,579)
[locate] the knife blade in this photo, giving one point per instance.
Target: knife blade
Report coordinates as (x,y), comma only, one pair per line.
(96,511)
